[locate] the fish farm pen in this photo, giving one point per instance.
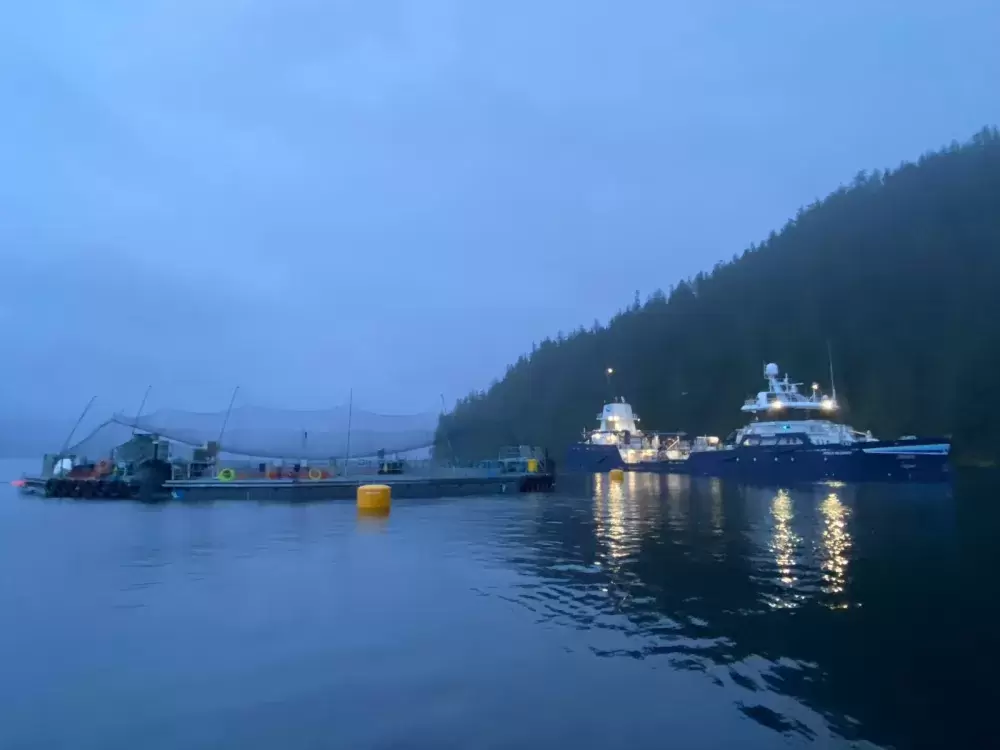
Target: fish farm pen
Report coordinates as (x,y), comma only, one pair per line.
(153,458)
(463,482)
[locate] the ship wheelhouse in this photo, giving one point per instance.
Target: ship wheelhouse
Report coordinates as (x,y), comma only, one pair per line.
(784,416)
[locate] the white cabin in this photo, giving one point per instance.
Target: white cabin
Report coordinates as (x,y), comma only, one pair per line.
(784,414)
(618,417)
(783,394)
(818,431)
(619,426)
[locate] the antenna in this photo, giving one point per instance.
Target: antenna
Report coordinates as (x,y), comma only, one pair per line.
(225,421)
(833,384)
(608,373)
(77,424)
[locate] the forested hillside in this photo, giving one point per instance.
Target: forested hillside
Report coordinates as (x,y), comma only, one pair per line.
(899,272)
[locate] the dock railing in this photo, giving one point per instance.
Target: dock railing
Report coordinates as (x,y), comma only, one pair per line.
(361,468)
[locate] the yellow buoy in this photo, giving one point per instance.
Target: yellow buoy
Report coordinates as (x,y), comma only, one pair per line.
(227,475)
(616,475)
(374,498)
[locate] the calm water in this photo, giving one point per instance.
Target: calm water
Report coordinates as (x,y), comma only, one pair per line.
(662,612)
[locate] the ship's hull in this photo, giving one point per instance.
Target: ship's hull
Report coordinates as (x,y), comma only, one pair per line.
(921,460)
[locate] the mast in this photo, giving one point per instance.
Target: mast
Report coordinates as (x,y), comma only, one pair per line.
(833,384)
(77,424)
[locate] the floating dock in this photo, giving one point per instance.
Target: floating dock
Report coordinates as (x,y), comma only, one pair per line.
(293,490)
(345,488)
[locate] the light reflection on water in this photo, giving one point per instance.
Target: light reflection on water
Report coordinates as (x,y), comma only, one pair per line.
(785,541)
(712,613)
(718,514)
(836,546)
(732,583)
(809,558)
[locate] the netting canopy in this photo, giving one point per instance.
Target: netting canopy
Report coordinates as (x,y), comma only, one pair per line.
(273,433)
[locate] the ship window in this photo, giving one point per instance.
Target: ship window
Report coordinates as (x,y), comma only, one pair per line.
(751,441)
(768,441)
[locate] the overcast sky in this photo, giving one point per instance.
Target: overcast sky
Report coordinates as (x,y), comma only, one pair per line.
(400,196)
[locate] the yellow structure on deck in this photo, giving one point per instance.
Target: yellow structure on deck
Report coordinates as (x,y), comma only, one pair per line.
(616,475)
(374,498)
(532,465)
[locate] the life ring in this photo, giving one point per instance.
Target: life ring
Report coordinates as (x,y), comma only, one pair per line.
(227,475)
(315,474)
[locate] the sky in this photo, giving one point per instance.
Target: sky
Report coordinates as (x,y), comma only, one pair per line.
(398,197)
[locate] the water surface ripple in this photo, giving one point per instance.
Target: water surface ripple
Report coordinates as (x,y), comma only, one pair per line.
(662,611)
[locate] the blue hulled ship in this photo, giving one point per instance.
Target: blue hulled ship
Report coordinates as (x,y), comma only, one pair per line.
(792,437)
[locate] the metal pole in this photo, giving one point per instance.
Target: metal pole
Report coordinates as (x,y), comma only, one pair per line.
(447,437)
(833,385)
(225,421)
(78,421)
(141,405)
(350,411)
